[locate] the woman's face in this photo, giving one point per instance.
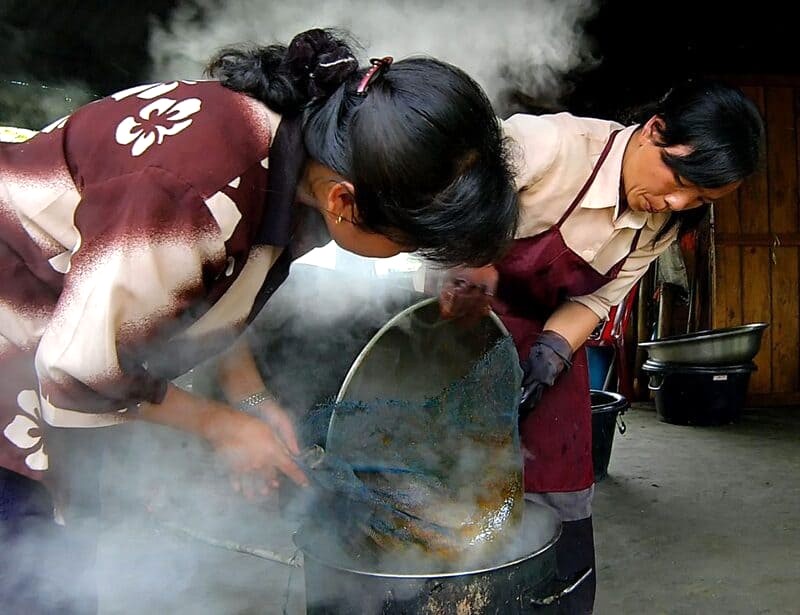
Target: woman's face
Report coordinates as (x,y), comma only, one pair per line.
(353,238)
(333,197)
(649,185)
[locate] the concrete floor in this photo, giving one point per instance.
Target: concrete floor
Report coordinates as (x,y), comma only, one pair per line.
(689,521)
(701,520)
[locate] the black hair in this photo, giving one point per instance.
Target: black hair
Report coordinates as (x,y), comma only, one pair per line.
(723,130)
(423,147)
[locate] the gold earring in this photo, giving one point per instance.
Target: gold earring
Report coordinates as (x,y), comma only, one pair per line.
(338,219)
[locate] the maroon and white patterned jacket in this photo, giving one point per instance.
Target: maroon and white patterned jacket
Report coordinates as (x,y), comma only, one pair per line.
(138,236)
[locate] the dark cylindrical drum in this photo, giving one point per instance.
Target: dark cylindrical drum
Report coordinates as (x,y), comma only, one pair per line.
(698,394)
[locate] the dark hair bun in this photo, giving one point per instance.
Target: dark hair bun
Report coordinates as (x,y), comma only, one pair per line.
(320,59)
(314,65)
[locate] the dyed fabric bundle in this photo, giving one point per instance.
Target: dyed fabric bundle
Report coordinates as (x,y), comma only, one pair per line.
(406,471)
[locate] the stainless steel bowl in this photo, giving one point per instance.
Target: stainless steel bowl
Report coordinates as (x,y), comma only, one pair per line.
(730,346)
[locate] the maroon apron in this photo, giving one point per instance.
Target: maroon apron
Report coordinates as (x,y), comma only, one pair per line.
(538,275)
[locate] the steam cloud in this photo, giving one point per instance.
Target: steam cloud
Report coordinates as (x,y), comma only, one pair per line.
(522,44)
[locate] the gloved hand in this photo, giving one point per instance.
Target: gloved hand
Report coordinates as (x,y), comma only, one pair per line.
(549,356)
(466,293)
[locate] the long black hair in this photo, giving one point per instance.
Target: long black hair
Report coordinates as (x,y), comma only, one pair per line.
(723,130)
(423,147)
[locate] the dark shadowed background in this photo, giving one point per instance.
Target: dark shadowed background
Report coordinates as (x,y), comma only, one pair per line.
(94,47)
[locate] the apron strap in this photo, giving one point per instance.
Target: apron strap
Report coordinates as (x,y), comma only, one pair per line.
(587,185)
(635,243)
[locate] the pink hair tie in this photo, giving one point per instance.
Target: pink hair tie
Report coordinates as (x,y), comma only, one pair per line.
(378,66)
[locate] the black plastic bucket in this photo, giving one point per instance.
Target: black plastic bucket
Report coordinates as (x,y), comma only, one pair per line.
(607,409)
(698,395)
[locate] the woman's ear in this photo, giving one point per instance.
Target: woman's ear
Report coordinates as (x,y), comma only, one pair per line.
(341,201)
(652,130)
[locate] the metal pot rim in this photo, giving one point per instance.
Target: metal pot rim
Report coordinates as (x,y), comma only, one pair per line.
(700,368)
(431,575)
(710,334)
(388,325)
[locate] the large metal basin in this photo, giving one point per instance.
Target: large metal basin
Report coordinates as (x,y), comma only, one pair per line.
(416,354)
(517,583)
(730,346)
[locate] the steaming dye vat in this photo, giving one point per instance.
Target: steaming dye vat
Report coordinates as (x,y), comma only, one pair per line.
(517,580)
(423,458)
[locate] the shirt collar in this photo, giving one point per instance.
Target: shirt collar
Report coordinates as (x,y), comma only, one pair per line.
(604,191)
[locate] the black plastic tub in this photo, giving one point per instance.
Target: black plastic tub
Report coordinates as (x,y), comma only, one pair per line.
(698,395)
(607,409)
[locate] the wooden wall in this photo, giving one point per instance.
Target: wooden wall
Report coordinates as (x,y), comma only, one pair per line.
(756,244)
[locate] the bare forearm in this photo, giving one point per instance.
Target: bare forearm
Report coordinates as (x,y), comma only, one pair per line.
(184,411)
(573,321)
(238,372)
(240,378)
(249,444)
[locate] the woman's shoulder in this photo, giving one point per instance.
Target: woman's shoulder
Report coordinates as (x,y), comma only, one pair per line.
(535,143)
(199,130)
(542,141)
(563,124)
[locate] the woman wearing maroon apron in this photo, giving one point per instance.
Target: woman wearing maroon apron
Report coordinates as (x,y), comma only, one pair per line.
(598,203)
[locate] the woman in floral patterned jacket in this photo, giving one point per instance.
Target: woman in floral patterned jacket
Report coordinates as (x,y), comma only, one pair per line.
(142,233)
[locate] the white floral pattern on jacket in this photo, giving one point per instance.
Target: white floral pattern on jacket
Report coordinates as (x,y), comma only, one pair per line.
(25,431)
(157,120)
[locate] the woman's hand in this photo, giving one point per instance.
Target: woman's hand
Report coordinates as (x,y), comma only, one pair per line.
(466,293)
(255,451)
(550,355)
(277,418)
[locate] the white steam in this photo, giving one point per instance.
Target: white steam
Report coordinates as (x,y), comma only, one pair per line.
(523,44)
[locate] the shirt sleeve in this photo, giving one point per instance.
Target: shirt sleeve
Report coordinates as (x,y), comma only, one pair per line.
(148,248)
(635,266)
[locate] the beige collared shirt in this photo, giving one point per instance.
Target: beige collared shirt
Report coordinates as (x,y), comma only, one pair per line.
(555,155)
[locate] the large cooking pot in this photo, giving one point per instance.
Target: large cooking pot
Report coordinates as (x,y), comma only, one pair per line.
(414,356)
(522,581)
(730,346)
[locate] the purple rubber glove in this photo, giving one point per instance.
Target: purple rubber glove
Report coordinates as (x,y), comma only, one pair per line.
(550,355)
